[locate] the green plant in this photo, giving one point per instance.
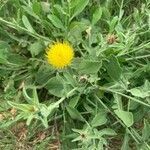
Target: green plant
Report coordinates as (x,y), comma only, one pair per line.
(102,98)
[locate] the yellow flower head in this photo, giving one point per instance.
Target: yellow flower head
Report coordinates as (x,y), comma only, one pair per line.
(59,55)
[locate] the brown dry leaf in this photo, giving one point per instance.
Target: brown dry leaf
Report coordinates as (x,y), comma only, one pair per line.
(88,31)
(55,145)
(1,117)
(13,112)
(21,85)
(22,134)
(111,38)
(41,136)
(20,130)
(83,78)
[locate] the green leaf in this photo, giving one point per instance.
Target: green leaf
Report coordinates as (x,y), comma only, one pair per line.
(77,7)
(113,24)
(29,11)
(17,59)
(107,131)
(99,119)
(138,92)
(145,131)
(125,116)
(74,114)
(45,111)
(89,67)
(23,107)
(26,96)
(36,48)
(35,97)
(88,108)
(106,13)
(70,79)
(29,119)
(113,68)
(45,122)
(142,91)
(56,21)
(55,87)
(75,30)
(37,8)
(43,75)
(27,24)
(4,47)
(96,15)
(125,144)
(118,101)
(73,101)
(60,9)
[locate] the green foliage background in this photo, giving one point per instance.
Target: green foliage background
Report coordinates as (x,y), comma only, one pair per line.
(101,101)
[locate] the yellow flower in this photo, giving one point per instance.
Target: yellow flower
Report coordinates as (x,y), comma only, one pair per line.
(60,55)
